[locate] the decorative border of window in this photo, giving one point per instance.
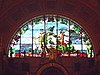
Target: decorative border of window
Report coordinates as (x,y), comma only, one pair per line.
(50,36)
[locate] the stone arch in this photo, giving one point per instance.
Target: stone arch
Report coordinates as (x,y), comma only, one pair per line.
(52,65)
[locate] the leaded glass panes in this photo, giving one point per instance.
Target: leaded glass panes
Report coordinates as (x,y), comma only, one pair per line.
(26,39)
(45,35)
(15,45)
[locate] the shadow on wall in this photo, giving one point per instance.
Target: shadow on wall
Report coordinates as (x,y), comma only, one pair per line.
(52,71)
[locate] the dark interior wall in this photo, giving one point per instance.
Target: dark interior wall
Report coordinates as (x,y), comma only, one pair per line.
(52,71)
(13,13)
(37,66)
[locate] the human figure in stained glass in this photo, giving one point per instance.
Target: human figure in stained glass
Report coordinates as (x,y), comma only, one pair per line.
(43,39)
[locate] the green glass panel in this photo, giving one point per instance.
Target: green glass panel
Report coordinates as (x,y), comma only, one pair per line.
(76,29)
(66,22)
(62,21)
(25,28)
(37,21)
(57,19)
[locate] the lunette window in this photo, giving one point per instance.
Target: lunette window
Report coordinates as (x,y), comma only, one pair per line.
(50,34)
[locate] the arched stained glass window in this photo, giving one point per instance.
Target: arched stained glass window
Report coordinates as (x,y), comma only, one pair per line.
(45,35)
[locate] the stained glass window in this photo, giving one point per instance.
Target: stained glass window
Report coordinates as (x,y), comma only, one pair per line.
(45,35)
